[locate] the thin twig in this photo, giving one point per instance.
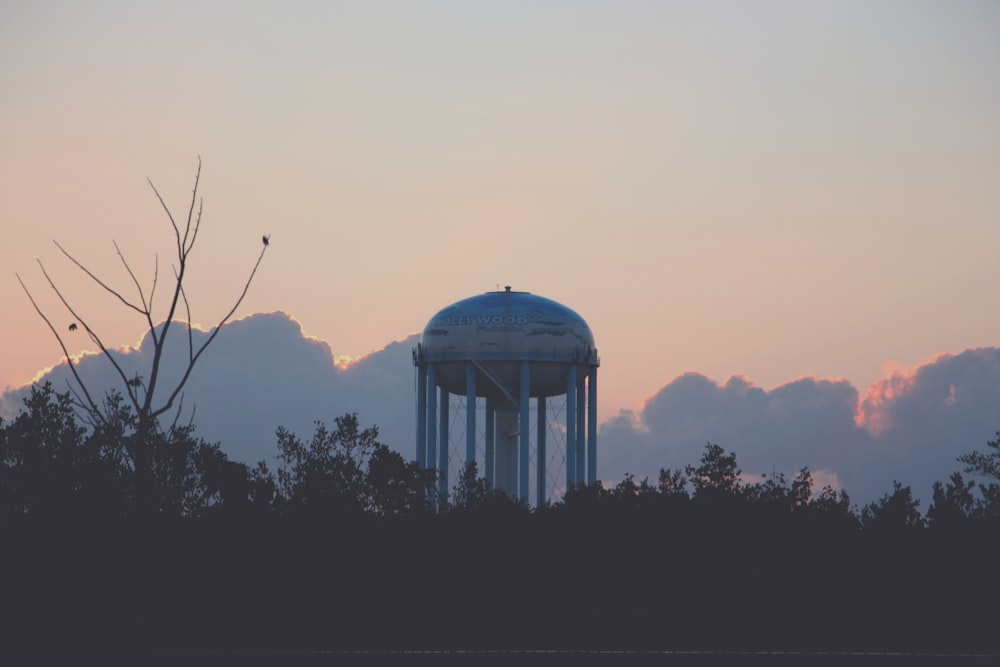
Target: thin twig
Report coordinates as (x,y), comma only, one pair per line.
(212,335)
(147,307)
(180,406)
(69,360)
(177,232)
(197,225)
(156,278)
(135,281)
(194,198)
(187,308)
(99,281)
(82,409)
(90,332)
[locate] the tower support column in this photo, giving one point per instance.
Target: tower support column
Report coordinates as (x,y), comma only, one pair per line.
(443,456)
(581,422)
(470,414)
(571,428)
(506,450)
(540,455)
(489,465)
(422,416)
(592,426)
(524,424)
(431,417)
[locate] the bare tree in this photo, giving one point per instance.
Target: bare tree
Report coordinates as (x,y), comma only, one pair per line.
(144,392)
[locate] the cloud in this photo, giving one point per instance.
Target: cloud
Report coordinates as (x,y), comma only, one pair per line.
(263,371)
(805,423)
(910,426)
(924,418)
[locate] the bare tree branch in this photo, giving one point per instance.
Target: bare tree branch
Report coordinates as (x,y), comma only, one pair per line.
(170,215)
(93,336)
(83,410)
(152,292)
(142,395)
(146,309)
(99,281)
(187,308)
(154,373)
(194,198)
(197,224)
(180,411)
(69,359)
(135,281)
(211,337)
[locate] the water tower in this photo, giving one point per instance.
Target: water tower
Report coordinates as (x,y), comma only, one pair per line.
(508,348)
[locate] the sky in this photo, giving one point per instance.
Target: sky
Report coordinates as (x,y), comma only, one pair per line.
(772,190)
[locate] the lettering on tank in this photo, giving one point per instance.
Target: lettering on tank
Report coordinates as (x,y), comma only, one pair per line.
(478,320)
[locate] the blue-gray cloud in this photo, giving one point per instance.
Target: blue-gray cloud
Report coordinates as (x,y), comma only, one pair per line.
(806,423)
(909,427)
(262,372)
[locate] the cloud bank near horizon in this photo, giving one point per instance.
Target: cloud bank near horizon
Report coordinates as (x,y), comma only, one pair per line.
(263,371)
(910,426)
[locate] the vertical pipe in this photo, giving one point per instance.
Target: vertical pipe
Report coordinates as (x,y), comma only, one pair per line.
(571,428)
(525,428)
(431,417)
(507,445)
(490,454)
(422,415)
(470,414)
(540,452)
(445,446)
(592,426)
(581,424)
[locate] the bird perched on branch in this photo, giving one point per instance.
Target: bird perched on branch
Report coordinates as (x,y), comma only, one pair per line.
(72,326)
(266,239)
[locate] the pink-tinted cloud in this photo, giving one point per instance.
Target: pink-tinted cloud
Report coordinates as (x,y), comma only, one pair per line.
(805,423)
(263,371)
(911,426)
(926,417)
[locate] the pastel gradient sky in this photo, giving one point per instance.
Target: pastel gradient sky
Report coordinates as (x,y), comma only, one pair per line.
(775,189)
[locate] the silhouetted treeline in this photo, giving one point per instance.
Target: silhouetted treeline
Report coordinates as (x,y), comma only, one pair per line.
(343,546)
(52,468)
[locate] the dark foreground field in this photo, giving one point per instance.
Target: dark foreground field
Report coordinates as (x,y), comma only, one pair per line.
(522,583)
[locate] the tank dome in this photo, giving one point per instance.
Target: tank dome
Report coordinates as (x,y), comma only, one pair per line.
(500,329)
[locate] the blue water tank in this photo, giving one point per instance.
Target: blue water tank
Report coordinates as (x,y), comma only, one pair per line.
(498,331)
